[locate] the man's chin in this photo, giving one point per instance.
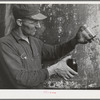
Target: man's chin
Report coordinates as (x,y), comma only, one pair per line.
(32,34)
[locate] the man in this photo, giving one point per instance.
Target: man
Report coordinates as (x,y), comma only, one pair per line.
(21,53)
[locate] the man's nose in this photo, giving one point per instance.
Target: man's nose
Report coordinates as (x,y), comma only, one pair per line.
(38,25)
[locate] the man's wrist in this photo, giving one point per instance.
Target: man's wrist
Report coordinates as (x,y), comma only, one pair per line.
(74,41)
(51,70)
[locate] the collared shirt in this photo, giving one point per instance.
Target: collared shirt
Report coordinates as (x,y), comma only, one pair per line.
(21,61)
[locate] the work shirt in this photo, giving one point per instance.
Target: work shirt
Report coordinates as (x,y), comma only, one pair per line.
(21,61)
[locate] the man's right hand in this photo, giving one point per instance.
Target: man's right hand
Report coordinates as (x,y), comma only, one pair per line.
(62,69)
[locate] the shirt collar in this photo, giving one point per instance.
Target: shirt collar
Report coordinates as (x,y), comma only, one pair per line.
(15,34)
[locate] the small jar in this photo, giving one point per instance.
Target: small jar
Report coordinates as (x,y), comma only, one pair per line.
(72,64)
(88,30)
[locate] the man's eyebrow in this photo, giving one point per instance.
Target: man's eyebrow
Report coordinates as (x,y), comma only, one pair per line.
(30,19)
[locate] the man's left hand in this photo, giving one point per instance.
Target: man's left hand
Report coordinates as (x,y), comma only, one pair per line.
(83,37)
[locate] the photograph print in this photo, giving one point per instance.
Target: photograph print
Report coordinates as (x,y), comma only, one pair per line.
(50,46)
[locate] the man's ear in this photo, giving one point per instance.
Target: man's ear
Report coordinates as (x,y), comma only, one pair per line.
(19,22)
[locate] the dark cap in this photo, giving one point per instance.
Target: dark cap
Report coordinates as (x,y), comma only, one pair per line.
(21,11)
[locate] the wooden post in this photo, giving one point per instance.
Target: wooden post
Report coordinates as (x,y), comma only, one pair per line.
(9,20)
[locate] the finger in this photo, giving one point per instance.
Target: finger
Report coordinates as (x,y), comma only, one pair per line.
(91,33)
(87,36)
(65,78)
(93,38)
(70,75)
(90,40)
(64,75)
(72,71)
(67,57)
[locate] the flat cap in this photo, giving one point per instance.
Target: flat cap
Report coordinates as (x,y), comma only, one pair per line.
(27,10)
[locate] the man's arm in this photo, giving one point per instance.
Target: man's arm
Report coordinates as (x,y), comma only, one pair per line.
(55,52)
(17,74)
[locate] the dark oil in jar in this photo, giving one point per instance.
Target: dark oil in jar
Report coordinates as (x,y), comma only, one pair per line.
(72,64)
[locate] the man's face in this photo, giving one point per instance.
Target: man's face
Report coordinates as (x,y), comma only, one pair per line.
(29,26)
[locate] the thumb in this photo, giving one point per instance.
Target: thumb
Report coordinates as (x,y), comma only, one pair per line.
(67,57)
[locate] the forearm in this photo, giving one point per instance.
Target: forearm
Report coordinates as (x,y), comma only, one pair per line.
(31,79)
(57,51)
(66,47)
(73,42)
(51,69)
(23,78)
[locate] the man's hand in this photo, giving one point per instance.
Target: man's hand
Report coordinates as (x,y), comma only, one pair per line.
(62,69)
(83,37)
